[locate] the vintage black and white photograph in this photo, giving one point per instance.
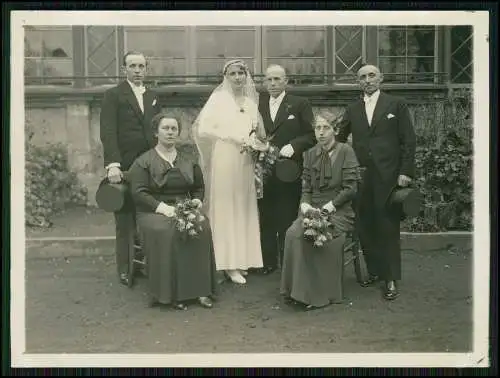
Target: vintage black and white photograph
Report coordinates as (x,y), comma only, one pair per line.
(250,189)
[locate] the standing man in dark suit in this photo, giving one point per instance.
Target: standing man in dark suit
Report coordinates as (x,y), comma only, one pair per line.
(288,121)
(126,114)
(383,139)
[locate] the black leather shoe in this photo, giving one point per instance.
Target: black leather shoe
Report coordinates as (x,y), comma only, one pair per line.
(370,281)
(391,291)
(289,301)
(180,306)
(124,279)
(268,270)
(312,307)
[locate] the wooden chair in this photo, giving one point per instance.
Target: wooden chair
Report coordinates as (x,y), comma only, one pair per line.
(353,253)
(137,262)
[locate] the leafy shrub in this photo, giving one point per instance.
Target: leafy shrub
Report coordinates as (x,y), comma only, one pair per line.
(444,168)
(50,187)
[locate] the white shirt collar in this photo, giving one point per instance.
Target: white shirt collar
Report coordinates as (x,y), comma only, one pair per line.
(278,99)
(373,97)
(141,89)
(170,158)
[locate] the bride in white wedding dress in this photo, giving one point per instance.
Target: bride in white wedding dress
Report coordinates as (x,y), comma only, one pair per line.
(224,124)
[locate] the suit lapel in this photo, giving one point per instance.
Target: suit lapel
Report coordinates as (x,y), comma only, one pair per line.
(282,113)
(379,111)
(266,114)
(148,98)
(362,111)
(147,103)
(129,93)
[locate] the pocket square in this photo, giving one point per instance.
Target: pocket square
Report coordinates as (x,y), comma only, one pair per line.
(291,116)
(154,102)
(390,115)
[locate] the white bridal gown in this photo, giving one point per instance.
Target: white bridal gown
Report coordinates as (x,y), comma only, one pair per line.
(233,211)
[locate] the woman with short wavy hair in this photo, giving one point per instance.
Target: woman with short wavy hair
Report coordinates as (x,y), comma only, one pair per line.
(179,268)
(312,275)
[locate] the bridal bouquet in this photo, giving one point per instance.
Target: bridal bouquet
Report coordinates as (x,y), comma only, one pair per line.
(188,217)
(264,160)
(317,227)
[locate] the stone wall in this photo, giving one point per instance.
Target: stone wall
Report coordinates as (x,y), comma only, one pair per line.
(72,117)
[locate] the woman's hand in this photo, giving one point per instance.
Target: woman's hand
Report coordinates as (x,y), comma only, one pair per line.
(329,208)
(255,143)
(164,209)
(304,207)
(245,142)
(197,203)
(404,181)
(260,145)
(169,211)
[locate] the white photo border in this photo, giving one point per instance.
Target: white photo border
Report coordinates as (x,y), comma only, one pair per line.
(481,253)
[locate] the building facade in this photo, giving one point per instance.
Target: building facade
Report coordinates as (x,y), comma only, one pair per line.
(67,69)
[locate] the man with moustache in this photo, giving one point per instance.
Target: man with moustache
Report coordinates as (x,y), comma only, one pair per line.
(126,114)
(288,121)
(383,139)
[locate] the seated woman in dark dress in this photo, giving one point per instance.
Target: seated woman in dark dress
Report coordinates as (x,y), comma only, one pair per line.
(311,275)
(179,269)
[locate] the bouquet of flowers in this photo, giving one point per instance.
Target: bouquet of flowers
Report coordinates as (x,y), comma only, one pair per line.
(188,217)
(317,227)
(264,161)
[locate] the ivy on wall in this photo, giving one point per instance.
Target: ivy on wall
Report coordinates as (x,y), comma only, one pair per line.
(444,160)
(50,186)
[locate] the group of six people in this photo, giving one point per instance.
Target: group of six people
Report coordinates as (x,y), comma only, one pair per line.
(247,228)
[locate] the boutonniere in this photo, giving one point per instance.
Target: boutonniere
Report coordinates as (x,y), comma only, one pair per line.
(154,102)
(390,115)
(291,116)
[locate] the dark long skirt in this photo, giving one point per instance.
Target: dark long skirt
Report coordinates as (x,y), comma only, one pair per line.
(179,269)
(312,275)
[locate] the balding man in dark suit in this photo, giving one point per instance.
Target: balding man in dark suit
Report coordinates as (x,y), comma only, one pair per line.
(384,141)
(288,121)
